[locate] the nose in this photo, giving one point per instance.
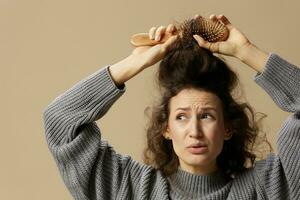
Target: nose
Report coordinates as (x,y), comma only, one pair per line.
(195,128)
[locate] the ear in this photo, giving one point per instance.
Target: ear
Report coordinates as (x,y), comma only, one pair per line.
(167,134)
(228,132)
(228,135)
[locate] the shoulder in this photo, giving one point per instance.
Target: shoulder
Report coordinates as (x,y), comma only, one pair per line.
(141,170)
(260,168)
(144,179)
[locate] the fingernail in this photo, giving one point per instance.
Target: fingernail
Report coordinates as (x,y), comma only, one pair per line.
(157,37)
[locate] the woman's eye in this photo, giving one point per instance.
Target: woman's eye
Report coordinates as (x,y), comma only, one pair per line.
(206,115)
(180,117)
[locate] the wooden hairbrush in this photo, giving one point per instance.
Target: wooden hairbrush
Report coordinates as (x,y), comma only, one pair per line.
(207,29)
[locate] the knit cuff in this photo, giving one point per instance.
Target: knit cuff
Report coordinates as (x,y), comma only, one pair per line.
(280,80)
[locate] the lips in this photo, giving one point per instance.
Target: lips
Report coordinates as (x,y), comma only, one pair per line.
(197,145)
(198,148)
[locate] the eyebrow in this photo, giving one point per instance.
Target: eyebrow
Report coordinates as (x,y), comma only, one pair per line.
(203,108)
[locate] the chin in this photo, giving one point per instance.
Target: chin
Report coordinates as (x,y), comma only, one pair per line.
(198,160)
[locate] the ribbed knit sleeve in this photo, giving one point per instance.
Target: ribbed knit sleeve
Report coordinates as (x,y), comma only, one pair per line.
(89,166)
(278,176)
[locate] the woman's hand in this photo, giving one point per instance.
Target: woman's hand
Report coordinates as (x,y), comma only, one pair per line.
(143,56)
(234,44)
(149,55)
(237,45)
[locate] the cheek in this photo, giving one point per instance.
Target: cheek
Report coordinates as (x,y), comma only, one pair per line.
(216,132)
(216,139)
(177,133)
(176,128)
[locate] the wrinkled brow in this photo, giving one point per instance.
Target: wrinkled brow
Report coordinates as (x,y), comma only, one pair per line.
(203,108)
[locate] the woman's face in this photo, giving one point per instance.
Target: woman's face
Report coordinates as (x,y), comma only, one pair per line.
(197,130)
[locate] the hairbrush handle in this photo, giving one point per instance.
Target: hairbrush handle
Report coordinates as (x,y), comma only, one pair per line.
(143,39)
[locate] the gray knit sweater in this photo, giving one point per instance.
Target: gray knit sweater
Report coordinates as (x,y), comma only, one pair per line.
(91,169)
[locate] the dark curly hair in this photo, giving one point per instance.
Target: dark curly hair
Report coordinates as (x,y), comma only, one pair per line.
(187,65)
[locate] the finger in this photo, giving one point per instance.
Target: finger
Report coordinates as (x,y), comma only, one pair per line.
(214,47)
(200,41)
(213,18)
(225,21)
(197,16)
(171,28)
(159,32)
(152,32)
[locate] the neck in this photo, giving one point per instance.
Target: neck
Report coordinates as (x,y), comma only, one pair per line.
(186,184)
(199,170)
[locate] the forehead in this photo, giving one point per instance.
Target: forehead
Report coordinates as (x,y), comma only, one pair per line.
(195,98)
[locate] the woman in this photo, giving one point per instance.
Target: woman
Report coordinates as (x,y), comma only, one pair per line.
(200,126)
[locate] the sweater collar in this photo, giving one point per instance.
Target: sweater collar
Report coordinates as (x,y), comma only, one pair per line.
(188,184)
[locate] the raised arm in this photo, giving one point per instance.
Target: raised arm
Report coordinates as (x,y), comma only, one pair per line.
(89,166)
(277,177)
(75,140)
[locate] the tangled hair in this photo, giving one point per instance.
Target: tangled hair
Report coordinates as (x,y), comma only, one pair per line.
(187,65)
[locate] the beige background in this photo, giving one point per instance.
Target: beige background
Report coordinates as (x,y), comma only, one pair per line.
(47,46)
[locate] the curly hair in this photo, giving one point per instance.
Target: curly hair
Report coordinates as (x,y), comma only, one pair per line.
(187,65)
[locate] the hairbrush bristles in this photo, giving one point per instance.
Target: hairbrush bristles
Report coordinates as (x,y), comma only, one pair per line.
(208,29)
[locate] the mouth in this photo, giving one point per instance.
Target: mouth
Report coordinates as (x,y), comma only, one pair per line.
(197,148)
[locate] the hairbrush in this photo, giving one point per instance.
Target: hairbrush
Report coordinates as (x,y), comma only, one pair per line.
(209,30)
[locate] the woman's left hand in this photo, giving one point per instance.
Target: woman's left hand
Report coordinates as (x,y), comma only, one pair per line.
(236,45)
(232,46)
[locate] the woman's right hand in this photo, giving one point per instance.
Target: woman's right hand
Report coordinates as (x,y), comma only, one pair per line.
(142,57)
(149,55)
(234,44)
